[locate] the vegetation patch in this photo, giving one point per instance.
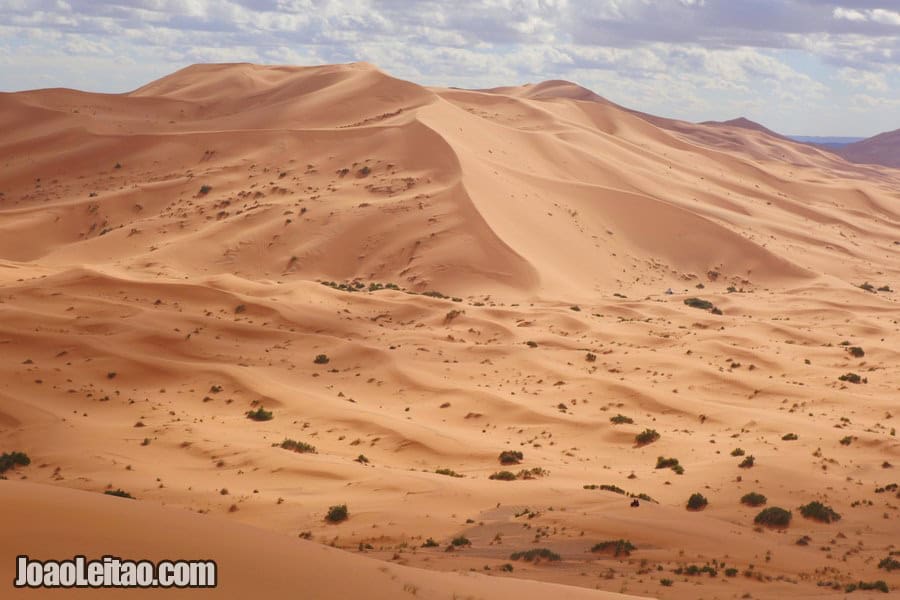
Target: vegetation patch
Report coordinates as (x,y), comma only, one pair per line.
(819,512)
(879,585)
(337,513)
(621,420)
(669,463)
(536,555)
(647,436)
(697,501)
(853,378)
(119,493)
(510,457)
(295,446)
(448,472)
(11,460)
(614,547)
(773,516)
(260,414)
(753,499)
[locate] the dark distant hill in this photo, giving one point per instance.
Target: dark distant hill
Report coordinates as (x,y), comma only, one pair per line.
(882,149)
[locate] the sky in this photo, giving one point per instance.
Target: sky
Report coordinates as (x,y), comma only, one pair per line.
(800,67)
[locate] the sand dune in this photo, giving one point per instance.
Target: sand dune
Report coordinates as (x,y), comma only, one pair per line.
(482,271)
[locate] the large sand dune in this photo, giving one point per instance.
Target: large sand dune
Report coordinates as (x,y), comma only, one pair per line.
(162,259)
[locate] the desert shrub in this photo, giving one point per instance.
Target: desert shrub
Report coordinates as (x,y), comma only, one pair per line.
(885,288)
(205,189)
(753,499)
(119,493)
(856,351)
(510,457)
(879,585)
(699,303)
(321,359)
(612,488)
(666,463)
(430,543)
(503,476)
(532,473)
(731,572)
(10,460)
(773,516)
(448,472)
(590,357)
(748,462)
(337,513)
(506,567)
(867,286)
(260,414)
(851,378)
(460,540)
(535,555)
(694,570)
(295,446)
(738,452)
(666,582)
(697,501)
(790,437)
(621,420)
(819,512)
(889,563)
(616,547)
(647,436)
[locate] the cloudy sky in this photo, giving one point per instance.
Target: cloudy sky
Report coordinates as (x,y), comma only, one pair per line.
(813,67)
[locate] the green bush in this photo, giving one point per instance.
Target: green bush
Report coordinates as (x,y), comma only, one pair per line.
(321,359)
(447,472)
(773,516)
(738,452)
(879,585)
(851,378)
(535,555)
(747,462)
(889,563)
(621,420)
(665,463)
(819,512)
(337,513)
(295,446)
(503,476)
(753,499)
(666,582)
(460,540)
(647,436)
(790,437)
(856,351)
(205,189)
(699,303)
(617,547)
(119,494)
(10,460)
(260,414)
(697,502)
(510,457)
